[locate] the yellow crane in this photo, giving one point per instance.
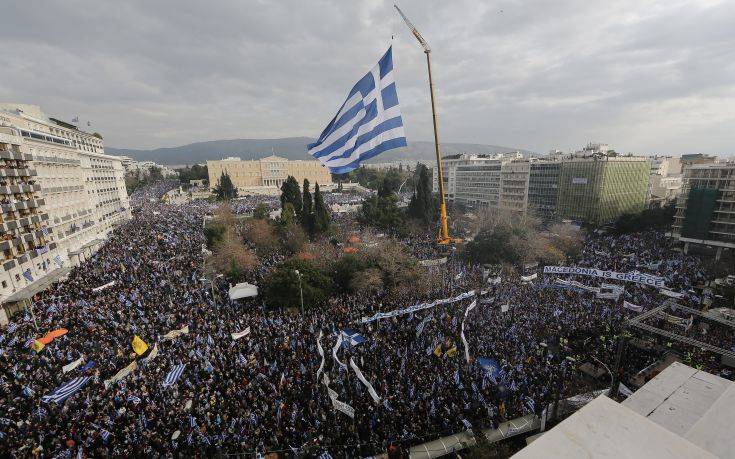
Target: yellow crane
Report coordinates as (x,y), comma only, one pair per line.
(443,236)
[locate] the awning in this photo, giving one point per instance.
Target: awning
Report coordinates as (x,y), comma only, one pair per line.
(40,285)
(243,290)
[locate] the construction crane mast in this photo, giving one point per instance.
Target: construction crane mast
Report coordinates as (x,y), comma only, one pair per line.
(443,236)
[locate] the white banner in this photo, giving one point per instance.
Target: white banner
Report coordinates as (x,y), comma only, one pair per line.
(334,351)
(639,278)
(494,280)
(578,285)
(174,333)
(529,278)
(102,287)
(436,262)
(237,336)
(632,307)
(505,307)
(670,293)
(416,307)
(321,353)
(121,374)
(343,407)
(470,308)
(152,355)
(367,384)
(70,366)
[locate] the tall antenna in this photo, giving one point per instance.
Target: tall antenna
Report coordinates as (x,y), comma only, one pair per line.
(443,236)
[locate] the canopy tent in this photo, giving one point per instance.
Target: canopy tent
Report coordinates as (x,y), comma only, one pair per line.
(243,290)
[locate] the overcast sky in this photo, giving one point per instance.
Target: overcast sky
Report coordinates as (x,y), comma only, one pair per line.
(644,76)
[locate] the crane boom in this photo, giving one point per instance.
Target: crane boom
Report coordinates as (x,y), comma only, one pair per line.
(443,236)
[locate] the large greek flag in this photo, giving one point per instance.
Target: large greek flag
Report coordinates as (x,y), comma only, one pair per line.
(367,124)
(174,374)
(66,390)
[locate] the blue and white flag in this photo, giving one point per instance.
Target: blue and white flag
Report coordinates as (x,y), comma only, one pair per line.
(352,337)
(66,390)
(368,123)
(27,275)
(174,374)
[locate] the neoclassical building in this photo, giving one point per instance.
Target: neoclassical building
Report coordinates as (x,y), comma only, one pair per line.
(266,173)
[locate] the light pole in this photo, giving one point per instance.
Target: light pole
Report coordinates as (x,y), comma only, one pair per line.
(301,291)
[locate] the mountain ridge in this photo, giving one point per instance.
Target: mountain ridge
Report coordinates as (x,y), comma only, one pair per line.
(292,148)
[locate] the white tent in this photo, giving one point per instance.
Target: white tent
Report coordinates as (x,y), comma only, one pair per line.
(243,290)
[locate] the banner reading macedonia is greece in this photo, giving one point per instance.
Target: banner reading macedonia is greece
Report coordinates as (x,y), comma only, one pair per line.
(640,278)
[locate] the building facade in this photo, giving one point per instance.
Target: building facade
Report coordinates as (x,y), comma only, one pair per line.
(543,188)
(664,182)
(450,165)
(599,189)
(266,173)
(705,209)
(80,191)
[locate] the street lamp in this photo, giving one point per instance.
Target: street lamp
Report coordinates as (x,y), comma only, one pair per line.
(301,291)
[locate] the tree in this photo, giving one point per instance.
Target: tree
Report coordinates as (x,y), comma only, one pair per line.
(382,212)
(260,234)
(291,193)
(225,190)
(307,213)
(322,217)
(281,288)
(155,174)
(422,205)
(232,258)
(261,211)
(288,216)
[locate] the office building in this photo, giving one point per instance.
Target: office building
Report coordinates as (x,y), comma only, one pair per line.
(599,189)
(705,209)
(543,188)
(266,174)
(450,165)
(79,189)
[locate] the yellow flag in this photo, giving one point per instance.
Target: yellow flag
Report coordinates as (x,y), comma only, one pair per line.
(139,346)
(452,352)
(438,350)
(37,346)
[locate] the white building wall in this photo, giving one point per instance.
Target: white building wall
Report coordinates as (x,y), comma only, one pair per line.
(83,189)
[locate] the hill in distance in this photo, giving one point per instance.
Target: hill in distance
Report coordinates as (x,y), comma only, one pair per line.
(292,148)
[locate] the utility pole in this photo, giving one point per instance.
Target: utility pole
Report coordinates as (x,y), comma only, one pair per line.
(301,291)
(443,236)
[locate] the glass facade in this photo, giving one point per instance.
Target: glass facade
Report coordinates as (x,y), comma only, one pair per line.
(599,190)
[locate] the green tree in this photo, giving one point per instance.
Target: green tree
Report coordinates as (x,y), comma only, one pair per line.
(291,193)
(347,268)
(155,174)
(288,215)
(322,216)
(282,285)
(261,211)
(422,206)
(382,212)
(307,212)
(225,190)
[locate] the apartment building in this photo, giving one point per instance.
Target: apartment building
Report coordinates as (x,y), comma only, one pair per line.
(664,182)
(78,188)
(705,209)
(266,174)
(450,166)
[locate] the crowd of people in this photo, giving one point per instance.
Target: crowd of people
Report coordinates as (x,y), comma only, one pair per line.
(259,392)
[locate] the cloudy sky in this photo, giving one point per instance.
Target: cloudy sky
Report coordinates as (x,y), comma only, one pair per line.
(645,76)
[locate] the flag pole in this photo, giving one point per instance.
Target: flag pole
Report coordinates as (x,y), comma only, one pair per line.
(443,236)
